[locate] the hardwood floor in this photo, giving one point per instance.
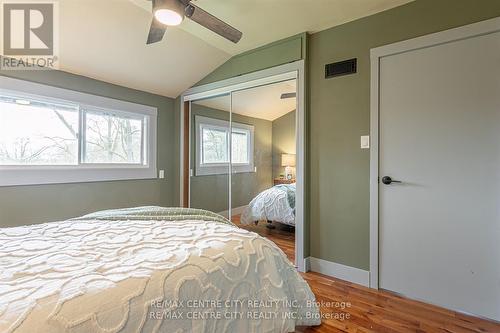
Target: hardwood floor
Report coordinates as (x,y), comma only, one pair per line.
(282,235)
(372,311)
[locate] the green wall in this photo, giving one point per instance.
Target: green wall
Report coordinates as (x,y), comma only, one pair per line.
(338,113)
(283,140)
(211,191)
(41,203)
(278,53)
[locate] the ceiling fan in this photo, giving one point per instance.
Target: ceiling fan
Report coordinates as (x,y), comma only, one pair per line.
(172,12)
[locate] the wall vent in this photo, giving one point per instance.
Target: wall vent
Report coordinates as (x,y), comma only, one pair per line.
(340,68)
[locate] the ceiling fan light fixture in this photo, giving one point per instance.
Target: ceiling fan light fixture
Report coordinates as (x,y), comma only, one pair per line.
(172,12)
(168,17)
(169,12)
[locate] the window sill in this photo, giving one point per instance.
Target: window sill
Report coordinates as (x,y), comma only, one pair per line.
(66,175)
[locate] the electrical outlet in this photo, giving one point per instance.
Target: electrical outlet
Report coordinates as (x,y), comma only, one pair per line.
(365,142)
(161,174)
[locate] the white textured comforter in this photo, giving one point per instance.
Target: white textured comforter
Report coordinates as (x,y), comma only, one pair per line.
(140,273)
(269,205)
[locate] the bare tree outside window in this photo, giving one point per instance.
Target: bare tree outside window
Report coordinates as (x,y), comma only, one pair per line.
(38,134)
(34,132)
(215,146)
(112,139)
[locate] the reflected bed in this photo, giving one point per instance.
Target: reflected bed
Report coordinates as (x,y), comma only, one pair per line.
(276,204)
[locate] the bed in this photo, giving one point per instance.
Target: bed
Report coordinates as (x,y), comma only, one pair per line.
(148,269)
(276,204)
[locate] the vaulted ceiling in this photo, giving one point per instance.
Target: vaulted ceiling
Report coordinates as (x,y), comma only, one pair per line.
(263,102)
(105,39)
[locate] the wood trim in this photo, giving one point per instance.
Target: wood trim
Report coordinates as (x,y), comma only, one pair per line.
(186,173)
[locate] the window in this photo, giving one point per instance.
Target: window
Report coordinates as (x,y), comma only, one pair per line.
(112,138)
(59,136)
(35,132)
(214,145)
(240,146)
(213,148)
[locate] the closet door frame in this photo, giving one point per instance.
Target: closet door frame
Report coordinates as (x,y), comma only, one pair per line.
(293,70)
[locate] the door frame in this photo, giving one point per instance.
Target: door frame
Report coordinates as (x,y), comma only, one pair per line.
(293,70)
(439,38)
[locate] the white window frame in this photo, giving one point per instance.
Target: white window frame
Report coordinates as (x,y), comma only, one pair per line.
(82,172)
(203,169)
(86,109)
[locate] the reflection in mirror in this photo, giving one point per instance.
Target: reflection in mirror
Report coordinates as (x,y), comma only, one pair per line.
(263,168)
(210,144)
(243,158)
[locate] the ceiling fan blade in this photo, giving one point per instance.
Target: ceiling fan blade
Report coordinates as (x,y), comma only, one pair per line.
(213,23)
(288,95)
(156,32)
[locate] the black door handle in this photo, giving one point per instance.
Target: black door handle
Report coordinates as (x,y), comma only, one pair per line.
(388,180)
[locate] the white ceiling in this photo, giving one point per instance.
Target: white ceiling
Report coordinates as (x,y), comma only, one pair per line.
(105,39)
(266,21)
(261,102)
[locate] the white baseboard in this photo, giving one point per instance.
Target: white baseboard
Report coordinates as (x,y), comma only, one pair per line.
(234,211)
(343,272)
(307,264)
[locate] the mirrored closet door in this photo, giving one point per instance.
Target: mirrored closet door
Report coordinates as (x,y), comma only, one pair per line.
(251,153)
(242,155)
(243,158)
(210,122)
(264,149)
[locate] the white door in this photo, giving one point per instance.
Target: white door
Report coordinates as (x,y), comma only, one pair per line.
(439,230)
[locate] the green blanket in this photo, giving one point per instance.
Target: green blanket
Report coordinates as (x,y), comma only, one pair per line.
(156,213)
